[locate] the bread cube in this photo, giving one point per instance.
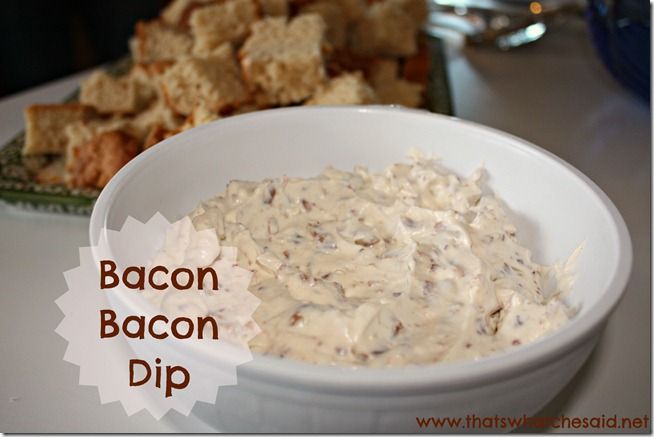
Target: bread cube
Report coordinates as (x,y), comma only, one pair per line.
(283,60)
(94,163)
(51,174)
(352,9)
(392,89)
(346,89)
(387,29)
(157,114)
(147,78)
(44,126)
(244,109)
(147,87)
(177,12)
(400,92)
(157,134)
(109,94)
(199,116)
(81,132)
(158,41)
(383,70)
(214,82)
(274,8)
(332,13)
(228,21)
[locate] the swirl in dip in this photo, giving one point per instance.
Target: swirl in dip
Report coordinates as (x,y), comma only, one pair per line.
(412,265)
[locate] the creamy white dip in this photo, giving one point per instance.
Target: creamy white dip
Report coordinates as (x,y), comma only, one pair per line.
(412,265)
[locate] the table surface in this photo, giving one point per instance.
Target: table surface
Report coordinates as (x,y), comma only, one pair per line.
(554,93)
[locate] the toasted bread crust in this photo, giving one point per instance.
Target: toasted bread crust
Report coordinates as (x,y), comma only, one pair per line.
(95,162)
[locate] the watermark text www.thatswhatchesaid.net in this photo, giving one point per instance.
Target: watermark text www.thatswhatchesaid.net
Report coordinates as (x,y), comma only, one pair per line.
(472,421)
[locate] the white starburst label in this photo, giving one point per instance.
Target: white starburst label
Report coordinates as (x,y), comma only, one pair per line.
(158,316)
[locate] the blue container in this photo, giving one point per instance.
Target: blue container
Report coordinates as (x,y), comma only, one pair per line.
(621,33)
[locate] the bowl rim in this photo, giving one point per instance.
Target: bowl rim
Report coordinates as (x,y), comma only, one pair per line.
(442,376)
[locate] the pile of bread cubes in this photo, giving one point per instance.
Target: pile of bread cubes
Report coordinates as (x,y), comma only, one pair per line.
(201,60)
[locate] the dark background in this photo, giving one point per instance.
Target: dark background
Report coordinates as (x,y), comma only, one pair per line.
(44,40)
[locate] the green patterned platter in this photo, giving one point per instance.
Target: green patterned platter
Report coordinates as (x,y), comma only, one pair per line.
(17,185)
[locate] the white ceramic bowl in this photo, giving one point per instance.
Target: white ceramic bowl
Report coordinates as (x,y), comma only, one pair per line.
(554,206)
